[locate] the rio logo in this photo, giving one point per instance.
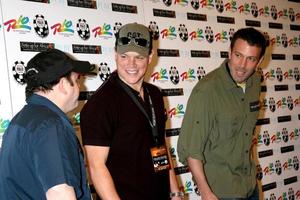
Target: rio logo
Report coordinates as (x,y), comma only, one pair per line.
(160,76)
(169,33)
(66,26)
(14,24)
(188,75)
(178,111)
(104,31)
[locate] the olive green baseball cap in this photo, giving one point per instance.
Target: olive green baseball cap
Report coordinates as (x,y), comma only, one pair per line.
(133,37)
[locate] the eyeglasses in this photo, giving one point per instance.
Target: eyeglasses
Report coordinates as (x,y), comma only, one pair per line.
(138,41)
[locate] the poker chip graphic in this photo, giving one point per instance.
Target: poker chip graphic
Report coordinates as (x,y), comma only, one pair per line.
(41,26)
(104,71)
(117,27)
(154,30)
(83,29)
(183,32)
(174,75)
(18,71)
(195,4)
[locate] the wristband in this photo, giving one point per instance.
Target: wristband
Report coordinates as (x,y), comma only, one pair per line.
(176,194)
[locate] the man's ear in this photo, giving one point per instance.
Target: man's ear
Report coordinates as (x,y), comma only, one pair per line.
(61,85)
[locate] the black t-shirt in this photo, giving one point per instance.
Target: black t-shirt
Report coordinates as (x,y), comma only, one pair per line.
(111,118)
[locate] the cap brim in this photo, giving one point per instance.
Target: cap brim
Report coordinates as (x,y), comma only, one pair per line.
(84,67)
(134,48)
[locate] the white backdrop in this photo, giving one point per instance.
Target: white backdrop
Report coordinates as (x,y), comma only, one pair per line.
(192,38)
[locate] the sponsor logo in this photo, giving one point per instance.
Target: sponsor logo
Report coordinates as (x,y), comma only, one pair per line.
(19,25)
(168,52)
(200,54)
(161,76)
(231,6)
(65,28)
(177,111)
(172,132)
(104,31)
(222,37)
(207,4)
(88,49)
(164,13)
(172,92)
(245,8)
(188,75)
(35,46)
(123,8)
(83,4)
(226,20)
(169,33)
(181,2)
(197,35)
(196,17)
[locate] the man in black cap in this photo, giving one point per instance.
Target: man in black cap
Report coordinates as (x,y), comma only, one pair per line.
(123,127)
(40,156)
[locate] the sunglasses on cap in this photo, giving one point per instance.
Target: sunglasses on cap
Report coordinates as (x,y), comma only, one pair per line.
(138,41)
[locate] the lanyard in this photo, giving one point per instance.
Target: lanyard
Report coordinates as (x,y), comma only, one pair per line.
(152,122)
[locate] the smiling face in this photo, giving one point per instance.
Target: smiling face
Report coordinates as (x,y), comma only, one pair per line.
(243,60)
(132,67)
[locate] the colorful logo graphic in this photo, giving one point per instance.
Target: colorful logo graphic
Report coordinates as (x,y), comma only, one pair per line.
(187,187)
(189,75)
(279,136)
(197,35)
(65,28)
(222,37)
(162,75)
(178,111)
(284,14)
(246,8)
(18,25)
(231,6)
(207,4)
(169,33)
(3,125)
(294,42)
(265,11)
(103,32)
(182,2)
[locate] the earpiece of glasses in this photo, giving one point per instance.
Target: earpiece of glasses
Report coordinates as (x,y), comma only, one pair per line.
(138,41)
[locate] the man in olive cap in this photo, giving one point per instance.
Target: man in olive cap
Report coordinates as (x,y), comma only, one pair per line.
(123,126)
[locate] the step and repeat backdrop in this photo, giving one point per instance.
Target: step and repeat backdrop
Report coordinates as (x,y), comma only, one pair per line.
(191,38)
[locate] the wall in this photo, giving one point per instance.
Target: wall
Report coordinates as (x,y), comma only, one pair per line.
(192,38)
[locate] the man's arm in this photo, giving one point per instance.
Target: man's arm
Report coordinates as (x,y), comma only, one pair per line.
(196,167)
(101,178)
(61,192)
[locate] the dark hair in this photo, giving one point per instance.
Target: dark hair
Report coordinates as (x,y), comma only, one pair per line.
(150,42)
(45,87)
(253,38)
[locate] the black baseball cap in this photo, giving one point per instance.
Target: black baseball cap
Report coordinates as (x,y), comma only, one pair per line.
(52,64)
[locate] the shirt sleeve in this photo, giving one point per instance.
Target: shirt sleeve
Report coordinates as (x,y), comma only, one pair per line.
(195,127)
(97,121)
(55,155)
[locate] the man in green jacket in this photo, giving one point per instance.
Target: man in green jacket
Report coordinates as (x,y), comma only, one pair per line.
(216,133)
